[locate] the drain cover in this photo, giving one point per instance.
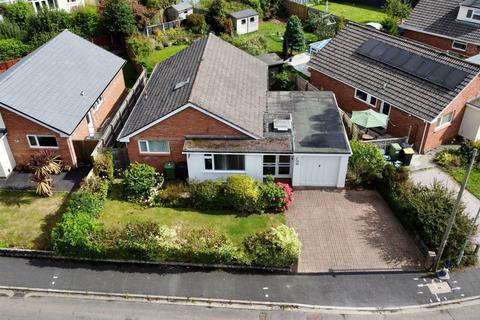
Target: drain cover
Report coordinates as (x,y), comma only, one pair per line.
(439,287)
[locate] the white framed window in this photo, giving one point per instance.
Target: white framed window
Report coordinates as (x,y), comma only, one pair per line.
(277,165)
(365,97)
(459,45)
(445,119)
(224,162)
(473,14)
(154,146)
(38,141)
(97,103)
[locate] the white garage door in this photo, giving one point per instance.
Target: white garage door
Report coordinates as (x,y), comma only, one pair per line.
(317,171)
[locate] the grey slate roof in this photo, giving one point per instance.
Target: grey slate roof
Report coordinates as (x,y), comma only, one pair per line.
(47,84)
(440,17)
(317,126)
(244,14)
(223,80)
(423,99)
(182,6)
(471,3)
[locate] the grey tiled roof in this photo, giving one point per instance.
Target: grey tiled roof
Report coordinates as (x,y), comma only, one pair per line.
(423,99)
(471,3)
(244,14)
(47,84)
(223,80)
(440,17)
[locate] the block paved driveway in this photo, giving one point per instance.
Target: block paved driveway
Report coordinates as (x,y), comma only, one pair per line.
(348,231)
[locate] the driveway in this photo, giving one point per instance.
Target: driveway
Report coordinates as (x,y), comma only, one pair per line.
(430,175)
(344,231)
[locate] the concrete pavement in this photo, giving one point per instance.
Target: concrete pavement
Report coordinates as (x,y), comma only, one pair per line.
(350,290)
(50,307)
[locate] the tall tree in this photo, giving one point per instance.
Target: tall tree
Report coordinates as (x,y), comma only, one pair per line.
(118,18)
(294,34)
(398,9)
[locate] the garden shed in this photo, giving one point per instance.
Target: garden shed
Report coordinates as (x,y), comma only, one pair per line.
(245,21)
(179,11)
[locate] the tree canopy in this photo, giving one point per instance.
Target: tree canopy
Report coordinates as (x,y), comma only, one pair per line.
(294,34)
(118,17)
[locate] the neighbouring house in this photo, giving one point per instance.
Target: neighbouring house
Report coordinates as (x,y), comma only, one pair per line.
(423,90)
(245,21)
(446,24)
(179,11)
(58,98)
(209,106)
(67,5)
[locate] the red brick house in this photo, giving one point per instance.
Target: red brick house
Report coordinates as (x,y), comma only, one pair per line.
(422,90)
(209,106)
(450,25)
(55,98)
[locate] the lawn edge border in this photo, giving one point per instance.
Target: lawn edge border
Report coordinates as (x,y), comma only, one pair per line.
(46,254)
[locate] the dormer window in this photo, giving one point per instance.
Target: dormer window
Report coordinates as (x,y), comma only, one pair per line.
(473,14)
(469,11)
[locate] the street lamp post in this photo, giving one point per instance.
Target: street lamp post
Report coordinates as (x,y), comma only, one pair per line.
(451,220)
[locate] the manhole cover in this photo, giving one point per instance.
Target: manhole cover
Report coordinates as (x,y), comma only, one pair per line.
(439,287)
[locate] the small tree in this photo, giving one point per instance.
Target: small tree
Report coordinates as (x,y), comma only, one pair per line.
(294,34)
(118,18)
(18,12)
(217,15)
(196,23)
(43,166)
(322,25)
(398,9)
(86,21)
(389,25)
(366,163)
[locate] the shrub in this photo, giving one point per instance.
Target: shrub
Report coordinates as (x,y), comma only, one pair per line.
(208,194)
(397,9)
(141,46)
(97,186)
(196,23)
(18,12)
(277,247)
(448,158)
(207,246)
(140,180)
(47,21)
(467,146)
(288,198)
(85,202)
(103,166)
(76,235)
(365,165)
(243,193)
(10,30)
(283,81)
(254,45)
(118,17)
(389,25)
(323,25)
(140,241)
(276,196)
(12,49)
(86,21)
(174,195)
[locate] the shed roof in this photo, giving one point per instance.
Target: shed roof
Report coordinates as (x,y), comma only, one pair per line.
(182,6)
(317,125)
(59,82)
(440,17)
(341,60)
(211,74)
(244,14)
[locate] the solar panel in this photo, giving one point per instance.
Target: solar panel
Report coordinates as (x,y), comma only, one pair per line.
(414,64)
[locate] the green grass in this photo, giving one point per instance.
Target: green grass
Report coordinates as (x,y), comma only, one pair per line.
(26,219)
(130,74)
(473,182)
(354,12)
(158,56)
(117,213)
(273,31)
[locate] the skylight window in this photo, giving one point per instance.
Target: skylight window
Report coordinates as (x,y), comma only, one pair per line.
(181,84)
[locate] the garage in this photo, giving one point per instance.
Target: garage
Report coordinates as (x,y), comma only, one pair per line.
(320,170)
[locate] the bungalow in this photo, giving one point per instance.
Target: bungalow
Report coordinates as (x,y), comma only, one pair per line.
(55,99)
(245,21)
(209,106)
(446,24)
(424,91)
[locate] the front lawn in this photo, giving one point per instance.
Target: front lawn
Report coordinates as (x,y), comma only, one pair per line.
(353,12)
(118,213)
(158,56)
(26,219)
(473,182)
(273,31)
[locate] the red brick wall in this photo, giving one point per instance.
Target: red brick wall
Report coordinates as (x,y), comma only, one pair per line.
(174,129)
(437,136)
(441,43)
(18,127)
(111,97)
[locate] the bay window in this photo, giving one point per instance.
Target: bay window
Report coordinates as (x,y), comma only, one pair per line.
(224,162)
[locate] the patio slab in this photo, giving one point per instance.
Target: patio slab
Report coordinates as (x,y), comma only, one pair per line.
(64,182)
(350,231)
